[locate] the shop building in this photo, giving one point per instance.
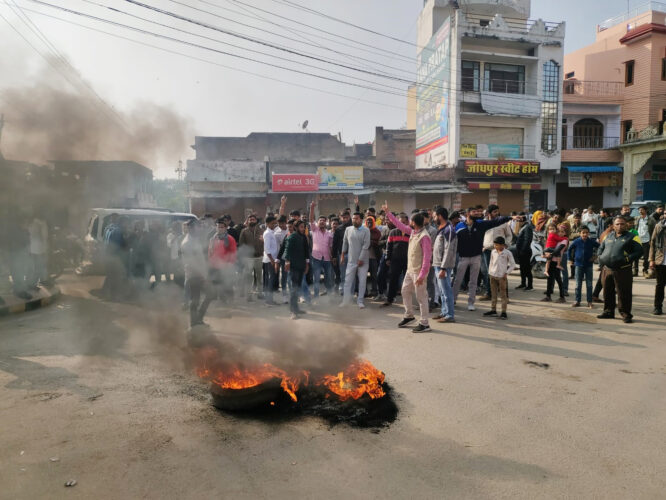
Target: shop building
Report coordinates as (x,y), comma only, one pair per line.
(488,100)
(630,51)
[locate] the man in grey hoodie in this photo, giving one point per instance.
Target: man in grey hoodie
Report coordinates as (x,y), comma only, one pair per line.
(355,255)
(444,260)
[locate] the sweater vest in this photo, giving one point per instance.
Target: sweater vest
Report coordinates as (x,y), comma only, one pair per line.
(415,251)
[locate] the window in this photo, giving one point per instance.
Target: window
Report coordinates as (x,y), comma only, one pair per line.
(570,75)
(470,76)
(550,106)
(588,134)
(504,78)
(484,23)
(663,68)
(564,137)
(629,73)
(627,125)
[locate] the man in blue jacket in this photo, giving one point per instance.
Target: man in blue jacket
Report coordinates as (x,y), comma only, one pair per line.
(470,247)
(581,253)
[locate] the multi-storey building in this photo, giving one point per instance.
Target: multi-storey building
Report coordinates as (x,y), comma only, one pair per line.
(489,101)
(628,60)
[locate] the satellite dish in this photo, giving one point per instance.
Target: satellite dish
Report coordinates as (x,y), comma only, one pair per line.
(305,124)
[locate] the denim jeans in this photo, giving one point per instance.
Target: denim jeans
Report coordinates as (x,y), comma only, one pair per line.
(584,273)
(343,273)
(317,266)
(445,293)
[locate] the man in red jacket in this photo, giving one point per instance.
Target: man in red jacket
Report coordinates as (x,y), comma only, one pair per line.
(221,259)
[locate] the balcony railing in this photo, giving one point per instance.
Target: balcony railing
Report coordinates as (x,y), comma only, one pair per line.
(472,84)
(592,89)
(497,151)
(590,142)
(513,25)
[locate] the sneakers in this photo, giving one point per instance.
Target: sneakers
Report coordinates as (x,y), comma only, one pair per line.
(490,313)
(529,287)
(547,299)
(657,311)
(627,319)
(605,315)
(439,316)
(471,308)
(421,328)
(406,321)
(446,320)
(503,316)
(294,316)
(361,305)
(521,286)
(561,300)
(575,304)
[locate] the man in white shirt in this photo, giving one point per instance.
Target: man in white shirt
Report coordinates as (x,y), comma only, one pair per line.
(271,250)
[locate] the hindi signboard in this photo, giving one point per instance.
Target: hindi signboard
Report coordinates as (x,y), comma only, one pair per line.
(433,82)
(594,179)
(501,168)
(331,178)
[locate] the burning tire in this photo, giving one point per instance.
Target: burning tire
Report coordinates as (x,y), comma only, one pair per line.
(246,399)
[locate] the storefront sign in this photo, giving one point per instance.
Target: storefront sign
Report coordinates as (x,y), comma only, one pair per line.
(594,179)
(285,183)
(433,79)
(331,178)
(500,168)
(508,151)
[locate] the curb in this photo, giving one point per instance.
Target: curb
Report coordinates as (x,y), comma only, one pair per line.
(14,305)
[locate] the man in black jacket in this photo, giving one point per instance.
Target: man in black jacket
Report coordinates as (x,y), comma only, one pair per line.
(617,254)
(336,250)
(524,252)
(396,259)
(297,263)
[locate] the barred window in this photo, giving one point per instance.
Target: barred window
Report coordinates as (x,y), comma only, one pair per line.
(550,106)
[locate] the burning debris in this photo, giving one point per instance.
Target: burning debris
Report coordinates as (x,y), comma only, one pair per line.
(356,393)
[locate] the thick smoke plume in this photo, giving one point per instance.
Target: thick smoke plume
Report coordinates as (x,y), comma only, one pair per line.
(53,120)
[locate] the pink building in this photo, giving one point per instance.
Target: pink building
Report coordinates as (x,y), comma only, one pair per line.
(615,108)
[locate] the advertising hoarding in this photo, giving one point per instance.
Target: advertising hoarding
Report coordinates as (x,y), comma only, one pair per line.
(331,178)
(507,151)
(287,183)
(595,179)
(432,100)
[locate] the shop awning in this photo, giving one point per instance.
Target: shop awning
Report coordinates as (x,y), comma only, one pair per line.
(594,169)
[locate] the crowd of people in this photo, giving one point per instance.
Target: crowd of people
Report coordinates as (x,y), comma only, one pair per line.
(428,256)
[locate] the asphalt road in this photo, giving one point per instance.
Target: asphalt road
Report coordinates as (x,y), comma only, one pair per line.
(98,392)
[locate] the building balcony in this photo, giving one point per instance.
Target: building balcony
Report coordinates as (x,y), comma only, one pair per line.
(497,151)
(591,149)
(590,142)
(487,25)
(581,91)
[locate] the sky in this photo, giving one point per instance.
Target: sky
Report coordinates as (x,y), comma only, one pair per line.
(218,94)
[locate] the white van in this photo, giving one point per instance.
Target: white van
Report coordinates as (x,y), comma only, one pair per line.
(93,242)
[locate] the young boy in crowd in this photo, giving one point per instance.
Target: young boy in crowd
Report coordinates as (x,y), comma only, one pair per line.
(555,243)
(582,255)
(501,265)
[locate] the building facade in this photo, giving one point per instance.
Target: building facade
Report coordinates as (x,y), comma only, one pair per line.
(489,101)
(630,52)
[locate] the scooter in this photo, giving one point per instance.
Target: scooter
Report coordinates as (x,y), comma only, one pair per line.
(538,261)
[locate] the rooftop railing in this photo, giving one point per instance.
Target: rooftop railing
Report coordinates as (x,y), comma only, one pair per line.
(635,12)
(587,142)
(513,24)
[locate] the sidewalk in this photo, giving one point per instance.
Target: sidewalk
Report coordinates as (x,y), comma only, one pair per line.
(40,298)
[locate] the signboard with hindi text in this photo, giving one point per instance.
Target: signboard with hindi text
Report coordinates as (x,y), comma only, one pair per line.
(595,179)
(501,168)
(331,178)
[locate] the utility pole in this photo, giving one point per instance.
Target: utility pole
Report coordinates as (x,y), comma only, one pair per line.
(180,170)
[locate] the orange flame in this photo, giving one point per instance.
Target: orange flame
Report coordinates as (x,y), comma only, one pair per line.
(360,378)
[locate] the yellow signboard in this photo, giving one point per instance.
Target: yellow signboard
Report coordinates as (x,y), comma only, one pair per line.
(468,151)
(340,177)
